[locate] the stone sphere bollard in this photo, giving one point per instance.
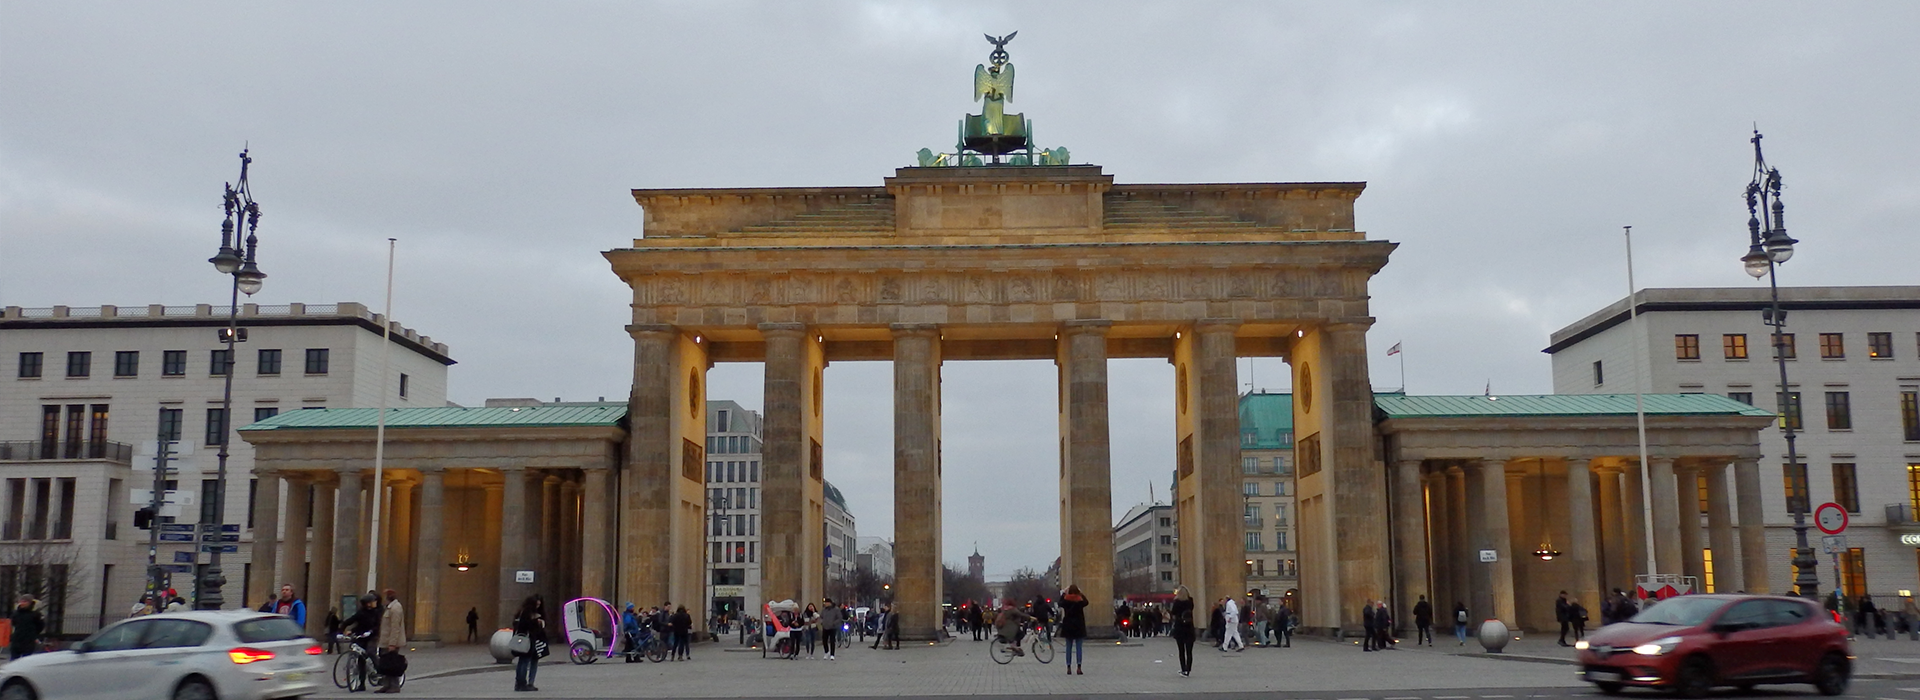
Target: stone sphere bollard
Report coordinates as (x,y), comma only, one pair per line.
(1494,636)
(499,643)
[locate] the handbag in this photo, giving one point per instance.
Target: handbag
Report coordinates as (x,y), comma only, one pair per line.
(520,644)
(391,663)
(540,649)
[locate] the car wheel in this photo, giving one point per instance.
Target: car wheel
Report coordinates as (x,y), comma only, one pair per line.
(1608,688)
(194,689)
(1832,675)
(18,690)
(1695,678)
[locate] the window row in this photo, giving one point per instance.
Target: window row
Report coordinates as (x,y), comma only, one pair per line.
(38,509)
(1833,346)
(1286,568)
(1254,541)
(733,525)
(173,363)
(1846,486)
(1253,488)
(732,444)
(1251,516)
(1278,464)
(736,552)
(1839,410)
(739,497)
(733,472)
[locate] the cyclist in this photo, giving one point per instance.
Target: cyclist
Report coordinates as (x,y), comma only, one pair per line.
(364,628)
(1010,626)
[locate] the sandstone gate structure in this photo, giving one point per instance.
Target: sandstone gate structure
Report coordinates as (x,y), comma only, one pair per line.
(1004,262)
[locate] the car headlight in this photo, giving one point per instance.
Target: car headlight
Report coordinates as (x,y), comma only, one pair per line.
(1657,646)
(1581,645)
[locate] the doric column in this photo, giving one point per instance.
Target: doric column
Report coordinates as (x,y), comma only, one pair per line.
(266,538)
(1667,547)
(1086,492)
(347,550)
(1581,552)
(396,568)
(648,493)
(916,479)
(1490,529)
(1753,526)
(514,531)
(292,564)
(593,534)
(1356,491)
(1614,572)
(429,552)
(567,572)
(1217,380)
(784,546)
(1464,559)
(1726,562)
(1687,490)
(1633,519)
(320,593)
(1409,539)
(1439,548)
(548,540)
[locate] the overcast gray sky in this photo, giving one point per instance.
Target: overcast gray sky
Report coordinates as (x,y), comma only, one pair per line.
(1504,144)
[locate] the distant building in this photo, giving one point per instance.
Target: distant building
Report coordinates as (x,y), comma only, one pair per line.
(1145,556)
(876,555)
(976,565)
(1266,467)
(733,500)
(842,538)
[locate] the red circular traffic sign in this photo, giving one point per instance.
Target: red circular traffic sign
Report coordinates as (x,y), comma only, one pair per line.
(1830,518)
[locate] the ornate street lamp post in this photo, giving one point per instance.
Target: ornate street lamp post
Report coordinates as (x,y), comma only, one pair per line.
(236,259)
(1769,247)
(718,503)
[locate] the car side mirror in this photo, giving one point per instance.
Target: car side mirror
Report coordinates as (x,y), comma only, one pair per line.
(79,647)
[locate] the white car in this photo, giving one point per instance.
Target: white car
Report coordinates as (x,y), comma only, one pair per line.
(198,655)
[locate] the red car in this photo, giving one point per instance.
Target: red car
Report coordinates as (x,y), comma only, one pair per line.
(1692,644)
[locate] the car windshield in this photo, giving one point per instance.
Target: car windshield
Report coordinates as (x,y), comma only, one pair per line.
(1682,611)
(267,629)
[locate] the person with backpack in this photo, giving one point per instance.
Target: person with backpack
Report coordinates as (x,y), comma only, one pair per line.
(1460,621)
(1182,612)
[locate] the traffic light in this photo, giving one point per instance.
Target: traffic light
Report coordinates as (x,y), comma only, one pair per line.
(143,518)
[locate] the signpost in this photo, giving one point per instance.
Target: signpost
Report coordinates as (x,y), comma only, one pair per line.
(1832,519)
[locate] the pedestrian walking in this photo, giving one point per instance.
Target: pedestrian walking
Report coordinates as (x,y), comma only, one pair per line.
(1383,626)
(28,624)
(1368,627)
(880,625)
(682,625)
(1230,628)
(1460,621)
(809,628)
(333,630)
(473,625)
(1073,628)
(1562,616)
(1423,622)
(1577,616)
(1283,618)
(1183,633)
(829,627)
(530,622)
(393,635)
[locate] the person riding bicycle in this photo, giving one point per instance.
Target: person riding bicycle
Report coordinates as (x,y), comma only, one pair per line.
(1010,626)
(365,623)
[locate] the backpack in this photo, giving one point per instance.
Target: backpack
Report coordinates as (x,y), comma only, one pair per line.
(1460,616)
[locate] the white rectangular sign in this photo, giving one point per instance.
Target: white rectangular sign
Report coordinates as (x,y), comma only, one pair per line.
(523,576)
(1834,544)
(1488,556)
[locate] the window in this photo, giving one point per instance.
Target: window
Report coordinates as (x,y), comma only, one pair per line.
(261,413)
(269,362)
(1249,465)
(1166,539)
(169,424)
(1251,515)
(1846,490)
(1783,346)
(1280,515)
(1251,488)
(1745,397)
(1853,572)
(1280,541)
(1253,541)
(403,385)
(1839,411)
(216,426)
(317,360)
(29,365)
(173,363)
(1787,406)
(218,362)
(1166,576)
(1913,491)
(1700,491)
(1880,345)
(79,364)
(1796,483)
(1910,413)
(1166,522)
(1166,557)
(1686,346)
(126,363)
(1734,346)
(1833,346)
(1599,373)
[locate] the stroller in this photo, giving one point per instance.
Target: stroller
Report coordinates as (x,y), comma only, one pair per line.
(779,636)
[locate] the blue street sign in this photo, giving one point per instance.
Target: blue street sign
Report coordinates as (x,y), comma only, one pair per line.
(177,527)
(211,537)
(230,528)
(183,557)
(224,548)
(176,537)
(177,568)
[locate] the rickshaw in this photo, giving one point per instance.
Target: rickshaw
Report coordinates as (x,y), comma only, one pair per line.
(779,636)
(584,644)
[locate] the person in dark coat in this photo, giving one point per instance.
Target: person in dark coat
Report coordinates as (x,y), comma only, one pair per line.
(1369,632)
(333,630)
(1560,615)
(1182,613)
(1460,621)
(28,624)
(1073,628)
(1383,626)
(1217,622)
(1577,616)
(530,621)
(1423,622)
(682,625)
(473,625)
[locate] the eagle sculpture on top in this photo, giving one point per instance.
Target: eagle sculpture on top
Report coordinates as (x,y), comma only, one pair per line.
(994,85)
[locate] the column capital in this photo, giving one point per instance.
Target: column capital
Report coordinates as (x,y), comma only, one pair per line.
(642,329)
(1095,326)
(914,329)
(783,329)
(1216,325)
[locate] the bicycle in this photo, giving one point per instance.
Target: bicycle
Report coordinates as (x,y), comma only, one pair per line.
(353,670)
(1038,641)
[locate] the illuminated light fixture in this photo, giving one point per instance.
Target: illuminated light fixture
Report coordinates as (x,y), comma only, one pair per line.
(1546,552)
(463,562)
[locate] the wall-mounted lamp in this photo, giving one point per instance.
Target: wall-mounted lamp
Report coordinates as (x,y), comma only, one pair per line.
(463,562)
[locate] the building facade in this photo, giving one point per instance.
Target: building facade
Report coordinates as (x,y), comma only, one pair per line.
(876,555)
(89,392)
(1145,553)
(1853,370)
(733,498)
(1266,468)
(843,534)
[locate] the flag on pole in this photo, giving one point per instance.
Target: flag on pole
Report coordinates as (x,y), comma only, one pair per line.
(1395,350)
(1489,388)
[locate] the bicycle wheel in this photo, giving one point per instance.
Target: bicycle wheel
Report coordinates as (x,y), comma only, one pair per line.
(1042,649)
(657,651)
(1001,652)
(343,671)
(581,652)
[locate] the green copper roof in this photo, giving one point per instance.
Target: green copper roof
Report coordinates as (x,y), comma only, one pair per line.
(833,494)
(1400,406)
(1268,418)
(570,415)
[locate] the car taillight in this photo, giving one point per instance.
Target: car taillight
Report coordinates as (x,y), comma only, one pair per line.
(247,655)
(315,650)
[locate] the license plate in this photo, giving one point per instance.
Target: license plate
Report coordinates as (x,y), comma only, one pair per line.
(294,676)
(1603,676)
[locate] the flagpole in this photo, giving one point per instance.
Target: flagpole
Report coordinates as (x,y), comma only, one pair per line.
(1640,413)
(1403,369)
(380,428)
